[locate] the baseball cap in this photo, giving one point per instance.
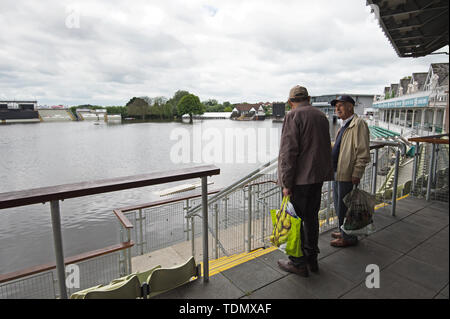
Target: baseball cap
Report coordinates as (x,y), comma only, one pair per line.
(298,91)
(343,98)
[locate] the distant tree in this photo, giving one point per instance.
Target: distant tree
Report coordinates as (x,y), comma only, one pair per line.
(122,110)
(227,108)
(157,107)
(226,104)
(210,102)
(190,104)
(138,107)
(173,102)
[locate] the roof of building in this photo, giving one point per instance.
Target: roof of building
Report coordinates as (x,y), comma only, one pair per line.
(394,87)
(441,69)
(246,107)
(419,78)
(404,84)
(415,28)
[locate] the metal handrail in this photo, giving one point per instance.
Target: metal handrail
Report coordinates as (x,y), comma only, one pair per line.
(243,181)
(54,194)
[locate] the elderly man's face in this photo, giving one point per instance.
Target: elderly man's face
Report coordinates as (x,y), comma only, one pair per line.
(344,110)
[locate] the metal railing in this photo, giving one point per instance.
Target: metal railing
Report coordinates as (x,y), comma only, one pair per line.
(10,283)
(431,167)
(239,215)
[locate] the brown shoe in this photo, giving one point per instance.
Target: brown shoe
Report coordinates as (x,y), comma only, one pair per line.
(336,234)
(288,266)
(341,242)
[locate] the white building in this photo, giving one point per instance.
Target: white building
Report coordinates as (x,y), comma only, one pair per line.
(423,108)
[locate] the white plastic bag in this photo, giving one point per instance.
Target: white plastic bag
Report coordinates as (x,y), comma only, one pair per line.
(367,230)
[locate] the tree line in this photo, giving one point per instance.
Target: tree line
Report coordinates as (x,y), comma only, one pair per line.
(162,108)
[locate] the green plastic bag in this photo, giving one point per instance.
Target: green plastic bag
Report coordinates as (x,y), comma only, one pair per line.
(286,230)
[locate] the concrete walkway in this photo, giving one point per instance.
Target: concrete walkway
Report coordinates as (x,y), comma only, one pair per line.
(410,249)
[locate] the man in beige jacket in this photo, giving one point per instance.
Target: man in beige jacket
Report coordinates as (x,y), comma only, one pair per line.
(350,155)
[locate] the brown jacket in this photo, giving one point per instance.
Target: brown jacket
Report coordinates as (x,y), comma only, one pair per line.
(305,153)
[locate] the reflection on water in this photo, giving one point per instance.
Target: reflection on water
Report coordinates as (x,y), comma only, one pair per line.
(47,154)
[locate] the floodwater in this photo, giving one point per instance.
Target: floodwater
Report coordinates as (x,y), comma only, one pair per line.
(49,154)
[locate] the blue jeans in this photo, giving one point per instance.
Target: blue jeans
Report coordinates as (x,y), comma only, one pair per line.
(340,189)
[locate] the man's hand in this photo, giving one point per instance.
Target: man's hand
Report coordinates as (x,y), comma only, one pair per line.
(355,180)
(286,192)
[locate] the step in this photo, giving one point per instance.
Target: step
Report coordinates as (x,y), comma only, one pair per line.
(218,265)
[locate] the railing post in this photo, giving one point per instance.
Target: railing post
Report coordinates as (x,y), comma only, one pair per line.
(374,172)
(416,162)
(328,202)
(128,252)
(394,188)
(186,209)
(430,172)
(205,229)
(141,237)
(249,225)
(216,226)
(58,245)
(193,235)
(225,200)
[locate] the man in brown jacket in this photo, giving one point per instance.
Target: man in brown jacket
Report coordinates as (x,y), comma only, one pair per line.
(304,163)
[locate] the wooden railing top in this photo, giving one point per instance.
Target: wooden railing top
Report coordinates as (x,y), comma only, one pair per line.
(70,260)
(434,139)
(60,192)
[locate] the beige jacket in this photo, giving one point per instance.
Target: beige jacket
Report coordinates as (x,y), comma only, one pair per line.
(354,154)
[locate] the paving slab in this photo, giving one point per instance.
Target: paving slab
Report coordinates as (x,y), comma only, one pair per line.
(411,204)
(422,220)
(218,287)
(440,296)
(351,262)
(383,220)
(271,260)
(325,285)
(402,236)
(284,288)
(251,275)
(434,213)
(430,253)
(444,291)
(443,206)
(393,286)
(360,292)
(441,239)
(425,274)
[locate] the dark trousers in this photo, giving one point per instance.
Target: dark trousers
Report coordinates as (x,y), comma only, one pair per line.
(340,189)
(306,201)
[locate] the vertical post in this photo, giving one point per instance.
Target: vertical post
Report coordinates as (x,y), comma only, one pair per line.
(394,188)
(58,245)
(193,236)
(216,226)
(205,229)
(249,225)
(186,209)
(430,172)
(328,202)
(225,200)
(141,232)
(129,251)
(416,162)
(374,171)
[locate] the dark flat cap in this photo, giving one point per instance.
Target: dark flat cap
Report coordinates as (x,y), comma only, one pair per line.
(343,98)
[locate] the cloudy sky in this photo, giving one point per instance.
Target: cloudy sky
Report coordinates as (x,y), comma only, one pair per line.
(105,52)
